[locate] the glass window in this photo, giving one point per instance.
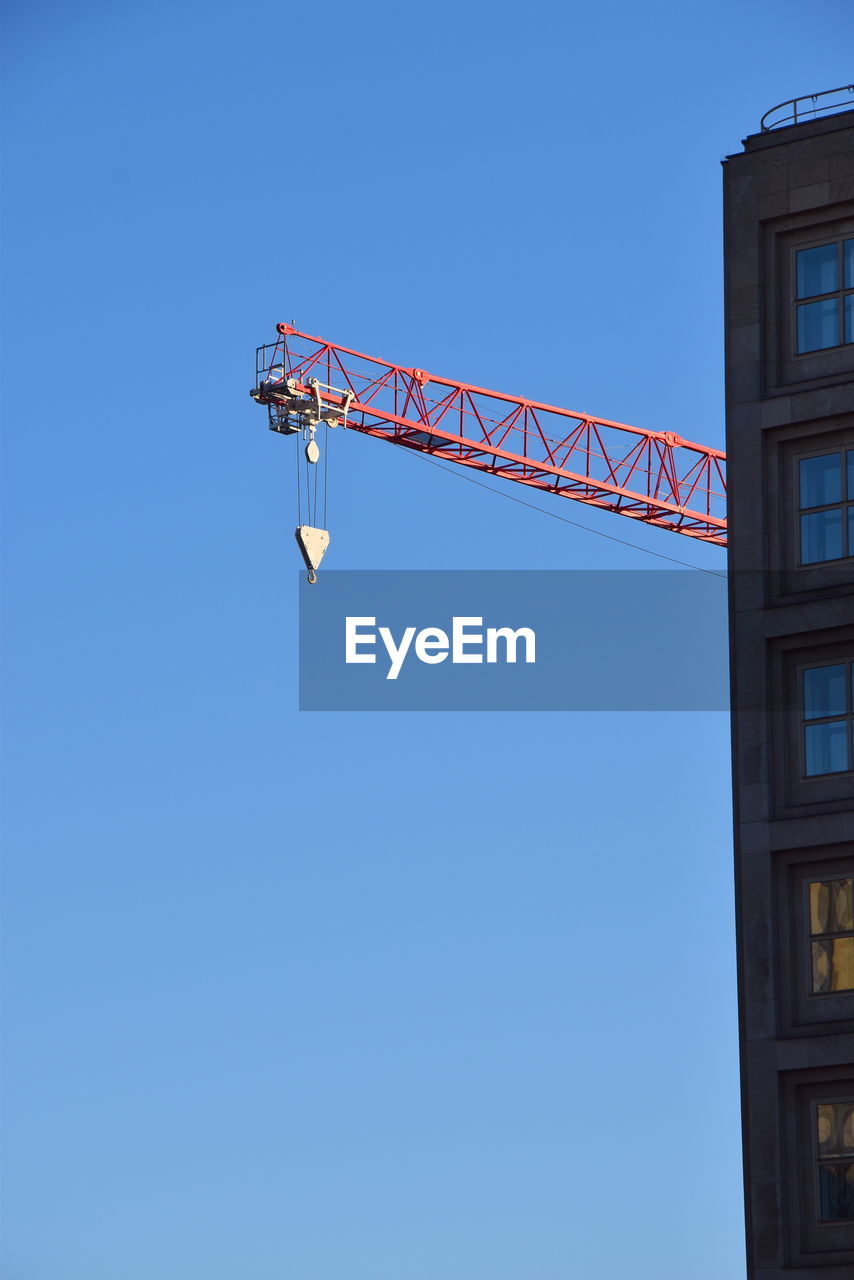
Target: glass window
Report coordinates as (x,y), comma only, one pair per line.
(818,325)
(821,480)
(832,935)
(821,537)
(824,296)
(824,691)
(835,1143)
(828,719)
(826,748)
(818,270)
(831,906)
(826,500)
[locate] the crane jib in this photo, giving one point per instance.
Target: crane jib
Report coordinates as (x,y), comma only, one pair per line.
(654,476)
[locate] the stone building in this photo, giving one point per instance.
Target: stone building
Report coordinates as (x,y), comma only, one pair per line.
(789,265)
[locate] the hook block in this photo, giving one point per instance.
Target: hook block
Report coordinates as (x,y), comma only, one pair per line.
(312,544)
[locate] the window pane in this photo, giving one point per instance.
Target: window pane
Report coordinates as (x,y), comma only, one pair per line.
(818,325)
(831,906)
(821,536)
(818,270)
(842,964)
(849,265)
(836,1187)
(821,965)
(824,691)
(826,748)
(833,965)
(849,317)
(835,1129)
(820,906)
(840,912)
(851,530)
(821,480)
(850,456)
(824,1126)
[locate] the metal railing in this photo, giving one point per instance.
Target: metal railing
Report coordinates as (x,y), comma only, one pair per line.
(843,100)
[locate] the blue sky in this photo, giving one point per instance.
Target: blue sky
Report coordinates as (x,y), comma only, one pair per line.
(402,996)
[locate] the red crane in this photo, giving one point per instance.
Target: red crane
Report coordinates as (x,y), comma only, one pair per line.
(653,476)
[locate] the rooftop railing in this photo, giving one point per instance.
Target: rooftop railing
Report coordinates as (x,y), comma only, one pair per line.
(811,107)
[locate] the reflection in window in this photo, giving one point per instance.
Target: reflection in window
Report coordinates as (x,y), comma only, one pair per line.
(832,935)
(826,502)
(824,691)
(818,325)
(818,270)
(824,311)
(821,480)
(827,703)
(835,1142)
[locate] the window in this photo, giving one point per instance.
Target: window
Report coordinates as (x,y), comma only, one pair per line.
(814,904)
(826,502)
(824,310)
(831,909)
(835,1140)
(828,718)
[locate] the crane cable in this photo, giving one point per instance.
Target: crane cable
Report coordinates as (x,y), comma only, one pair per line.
(316,486)
(312,536)
(316,492)
(576,524)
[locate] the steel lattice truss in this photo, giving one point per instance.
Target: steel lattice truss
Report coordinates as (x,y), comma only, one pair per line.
(654,476)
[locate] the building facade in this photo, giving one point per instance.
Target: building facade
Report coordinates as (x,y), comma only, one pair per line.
(789,265)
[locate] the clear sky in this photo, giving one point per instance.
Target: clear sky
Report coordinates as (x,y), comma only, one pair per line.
(390,997)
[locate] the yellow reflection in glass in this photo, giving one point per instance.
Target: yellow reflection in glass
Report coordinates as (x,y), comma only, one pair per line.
(831,906)
(843,907)
(848,1131)
(820,966)
(843,964)
(819,906)
(825,1124)
(835,1128)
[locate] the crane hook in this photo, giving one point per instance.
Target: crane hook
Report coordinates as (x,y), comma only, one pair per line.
(312,577)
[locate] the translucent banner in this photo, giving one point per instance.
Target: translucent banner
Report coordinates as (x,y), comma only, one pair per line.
(516,640)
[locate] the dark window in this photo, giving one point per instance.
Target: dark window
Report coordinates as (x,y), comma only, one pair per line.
(824,310)
(832,935)
(828,718)
(835,1141)
(826,502)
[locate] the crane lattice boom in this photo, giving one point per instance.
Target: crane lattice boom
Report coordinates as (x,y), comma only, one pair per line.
(654,476)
